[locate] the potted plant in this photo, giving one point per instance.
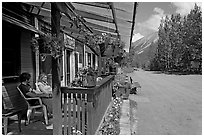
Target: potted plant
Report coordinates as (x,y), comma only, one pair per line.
(88,76)
(91,77)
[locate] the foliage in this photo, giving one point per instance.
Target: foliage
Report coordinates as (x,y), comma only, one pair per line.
(74,131)
(180,43)
(51,45)
(87,70)
(111,122)
(81,74)
(77,82)
(120,53)
(108,46)
(98,42)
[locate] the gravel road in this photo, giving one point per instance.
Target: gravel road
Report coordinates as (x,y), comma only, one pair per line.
(168,104)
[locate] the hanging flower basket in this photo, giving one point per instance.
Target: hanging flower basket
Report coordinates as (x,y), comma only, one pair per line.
(51,45)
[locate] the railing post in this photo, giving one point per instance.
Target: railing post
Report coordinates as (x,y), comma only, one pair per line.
(90,107)
(90,118)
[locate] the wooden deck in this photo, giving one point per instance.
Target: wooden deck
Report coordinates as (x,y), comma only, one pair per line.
(84,108)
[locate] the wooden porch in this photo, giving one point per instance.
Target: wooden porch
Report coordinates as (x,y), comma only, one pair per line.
(83,109)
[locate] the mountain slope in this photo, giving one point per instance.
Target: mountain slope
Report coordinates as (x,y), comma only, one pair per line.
(144,49)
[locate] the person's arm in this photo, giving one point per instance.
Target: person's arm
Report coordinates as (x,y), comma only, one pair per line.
(42,88)
(31,93)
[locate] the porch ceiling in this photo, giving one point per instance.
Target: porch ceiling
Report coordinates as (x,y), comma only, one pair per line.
(116,18)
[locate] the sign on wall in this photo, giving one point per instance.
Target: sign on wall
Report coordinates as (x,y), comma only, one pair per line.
(69,42)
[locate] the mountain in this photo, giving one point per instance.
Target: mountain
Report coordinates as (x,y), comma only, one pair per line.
(144,49)
(137,37)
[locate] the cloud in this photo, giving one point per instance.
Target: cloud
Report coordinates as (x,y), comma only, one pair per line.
(185,7)
(159,10)
(154,21)
(137,37)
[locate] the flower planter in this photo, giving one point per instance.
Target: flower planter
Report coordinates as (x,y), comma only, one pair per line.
(89,81)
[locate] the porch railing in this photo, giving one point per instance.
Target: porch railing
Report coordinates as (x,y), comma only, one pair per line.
(84,108)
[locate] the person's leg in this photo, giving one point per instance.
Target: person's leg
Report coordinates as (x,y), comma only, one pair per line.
(48,103)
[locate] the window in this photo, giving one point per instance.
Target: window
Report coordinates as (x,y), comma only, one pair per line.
(89,59)
(80,58)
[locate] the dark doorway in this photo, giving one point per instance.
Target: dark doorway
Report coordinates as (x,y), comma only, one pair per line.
(76,63)
(11,59)
(67,67)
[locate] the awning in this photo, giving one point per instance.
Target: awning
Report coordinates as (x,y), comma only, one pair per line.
(20,24)
(115,18)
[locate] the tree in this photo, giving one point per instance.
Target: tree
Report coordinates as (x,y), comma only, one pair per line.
(180,43)
(192,29)
(162,44)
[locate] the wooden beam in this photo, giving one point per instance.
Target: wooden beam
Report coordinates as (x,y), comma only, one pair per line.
(100,32)
(72,32)
(56,99)
(114,17)
(94,16)
(133,24)
(70,29)
(94,4)
(21,24)
(45,12)
(40,6)
(77,16)
(66,9)
(96,26)
(104,5)
(63,8)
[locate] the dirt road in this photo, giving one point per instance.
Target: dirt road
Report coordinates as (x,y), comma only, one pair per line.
(168,104)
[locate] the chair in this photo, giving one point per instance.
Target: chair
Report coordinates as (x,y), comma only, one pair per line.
(12,105)
(32,108)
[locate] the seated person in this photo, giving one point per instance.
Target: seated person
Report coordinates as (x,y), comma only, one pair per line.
(26,88)
(43,85)
(30,92)
(45,88)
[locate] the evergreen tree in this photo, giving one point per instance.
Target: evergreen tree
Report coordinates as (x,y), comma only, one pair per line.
(180,43)
(161,46)
(176,41)
(192,39)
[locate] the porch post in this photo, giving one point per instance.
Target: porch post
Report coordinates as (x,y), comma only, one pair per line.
(37,68)
(56,103)
(99,64)
(84,55)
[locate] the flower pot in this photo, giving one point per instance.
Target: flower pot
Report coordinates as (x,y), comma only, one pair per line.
(90,81)
(84,81)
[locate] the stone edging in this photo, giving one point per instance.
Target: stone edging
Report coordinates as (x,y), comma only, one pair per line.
(125,118)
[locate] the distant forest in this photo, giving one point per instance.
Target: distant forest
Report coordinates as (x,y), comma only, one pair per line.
(180,44)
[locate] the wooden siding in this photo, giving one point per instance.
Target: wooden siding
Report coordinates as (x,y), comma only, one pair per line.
(27,57)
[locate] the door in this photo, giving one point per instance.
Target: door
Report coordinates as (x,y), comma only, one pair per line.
(76,62)
(67,79)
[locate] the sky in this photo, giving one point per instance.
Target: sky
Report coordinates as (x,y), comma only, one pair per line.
(149,14)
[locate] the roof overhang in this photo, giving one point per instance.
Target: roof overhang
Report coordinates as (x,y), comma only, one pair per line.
(115,18)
